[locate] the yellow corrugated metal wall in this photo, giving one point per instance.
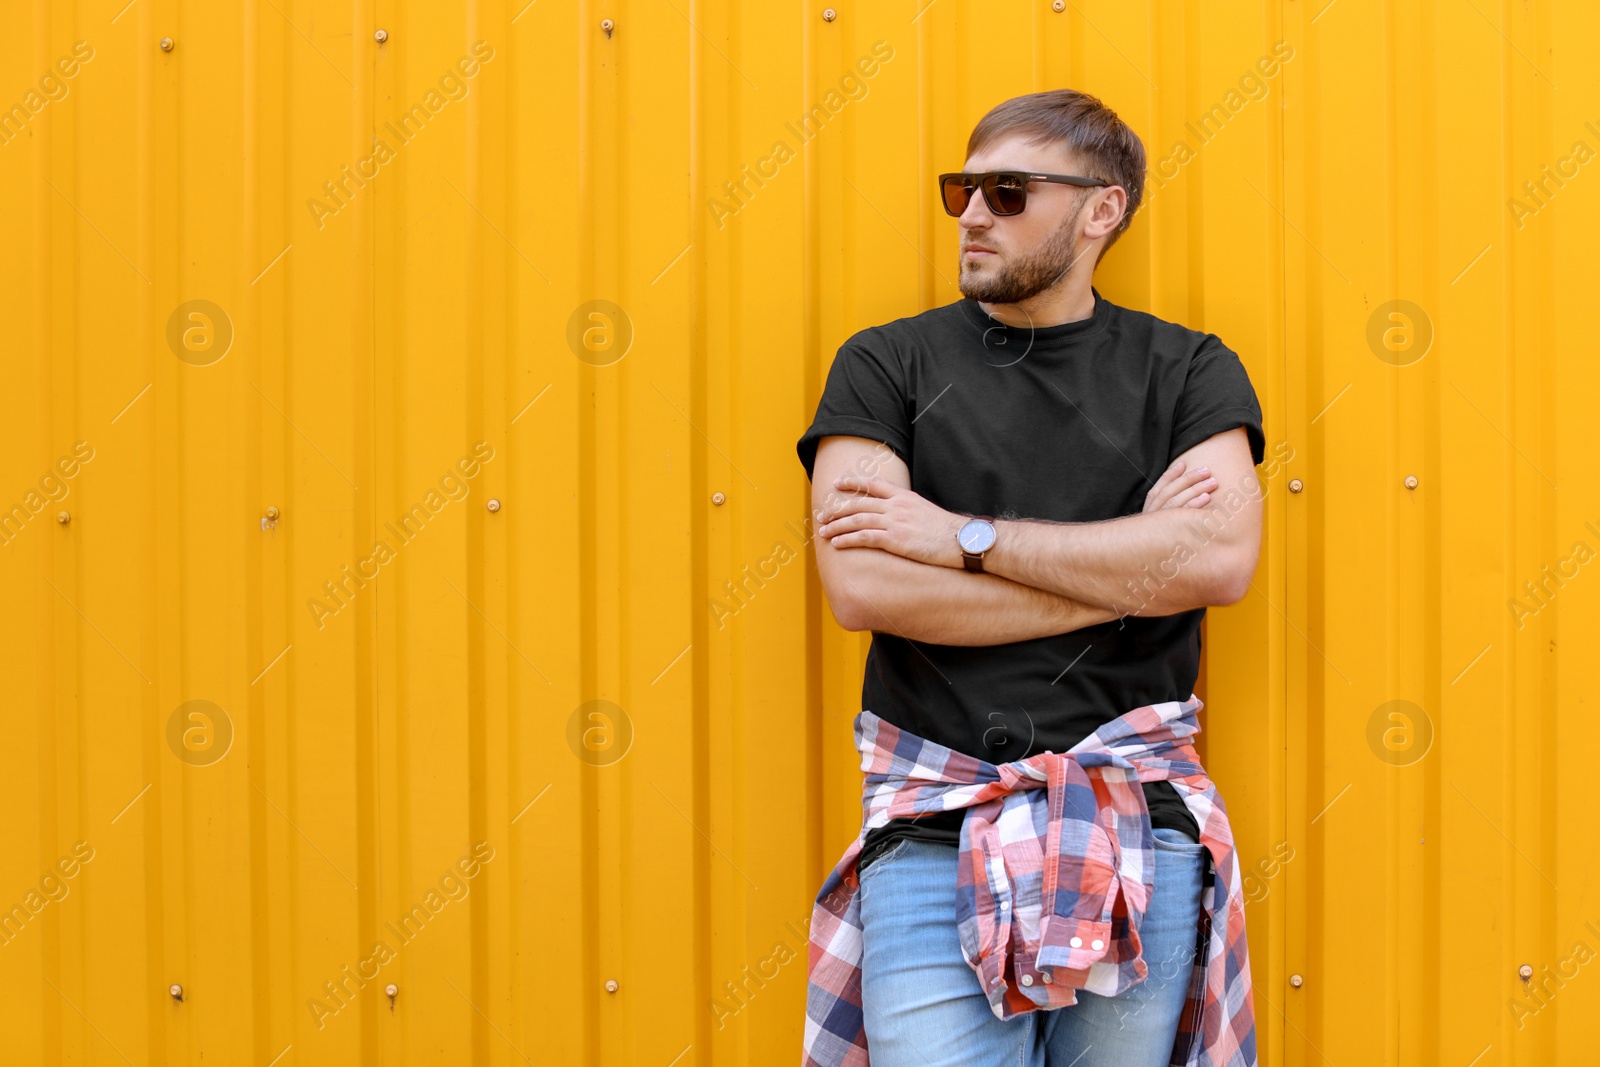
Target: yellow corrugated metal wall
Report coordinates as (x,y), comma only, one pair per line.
(404,543)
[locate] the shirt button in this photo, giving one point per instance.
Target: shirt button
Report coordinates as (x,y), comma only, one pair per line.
(1027,979)
(1046,979)
(1076,942)
(1097,944)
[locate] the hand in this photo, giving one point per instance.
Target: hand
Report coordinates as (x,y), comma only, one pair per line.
(880,514)
(1177,488)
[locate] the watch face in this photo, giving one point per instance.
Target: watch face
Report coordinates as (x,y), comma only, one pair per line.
(976,536)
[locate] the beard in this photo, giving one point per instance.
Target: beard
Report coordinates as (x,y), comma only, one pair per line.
(1028,276)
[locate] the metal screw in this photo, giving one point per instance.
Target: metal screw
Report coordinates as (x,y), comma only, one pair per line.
(611,985)
(63,518)
(1525,972)
(1295,485)
(829,14)
(391,990)
(493,504)
(718,499)
(1295,980)
(272,513)
(1411,481)
(381,36)
(166,44)
(1059,6)
(607,25)
(176,990)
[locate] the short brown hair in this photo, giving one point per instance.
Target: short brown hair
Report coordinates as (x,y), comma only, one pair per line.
(1108,149)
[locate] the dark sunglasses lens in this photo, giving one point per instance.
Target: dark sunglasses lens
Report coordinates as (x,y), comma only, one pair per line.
(1006,194)
(957,194)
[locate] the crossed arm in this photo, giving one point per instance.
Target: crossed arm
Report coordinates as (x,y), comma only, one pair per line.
(889,560)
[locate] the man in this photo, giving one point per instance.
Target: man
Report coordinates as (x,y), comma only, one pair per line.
(1029,497)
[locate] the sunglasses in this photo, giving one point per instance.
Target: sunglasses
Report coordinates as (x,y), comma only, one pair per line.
(1005,191)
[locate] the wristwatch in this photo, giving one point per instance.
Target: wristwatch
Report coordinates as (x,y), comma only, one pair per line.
(976,538)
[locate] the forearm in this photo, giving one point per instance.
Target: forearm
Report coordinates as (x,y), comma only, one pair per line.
(1152,563)
(944,606)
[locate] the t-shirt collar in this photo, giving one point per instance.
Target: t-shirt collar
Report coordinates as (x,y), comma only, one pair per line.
(1041,337)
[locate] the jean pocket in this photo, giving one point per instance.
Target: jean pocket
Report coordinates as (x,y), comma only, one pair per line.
(1169,840)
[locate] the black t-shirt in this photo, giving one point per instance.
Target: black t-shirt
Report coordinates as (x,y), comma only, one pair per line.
(1070,423)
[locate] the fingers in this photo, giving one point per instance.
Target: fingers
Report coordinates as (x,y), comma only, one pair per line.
(872,485)
(1175,478)
(1156,498)
(1168,476)
(848,524)
(1180,488)
(1175,483)
(854,505)
(1194,497)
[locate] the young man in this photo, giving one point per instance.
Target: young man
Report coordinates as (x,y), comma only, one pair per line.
(1029,497)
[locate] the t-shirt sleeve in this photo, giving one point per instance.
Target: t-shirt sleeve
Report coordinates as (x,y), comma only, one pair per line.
(865,396)
(1217,396)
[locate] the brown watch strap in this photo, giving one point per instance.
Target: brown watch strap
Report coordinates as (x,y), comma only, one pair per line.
(974,563)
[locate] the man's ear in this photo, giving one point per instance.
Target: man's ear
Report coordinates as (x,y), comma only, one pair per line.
(1107,214)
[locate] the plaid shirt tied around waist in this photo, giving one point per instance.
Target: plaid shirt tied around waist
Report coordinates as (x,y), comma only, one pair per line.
(1056,870)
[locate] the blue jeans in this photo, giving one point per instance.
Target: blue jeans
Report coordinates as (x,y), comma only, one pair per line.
(922,1003)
